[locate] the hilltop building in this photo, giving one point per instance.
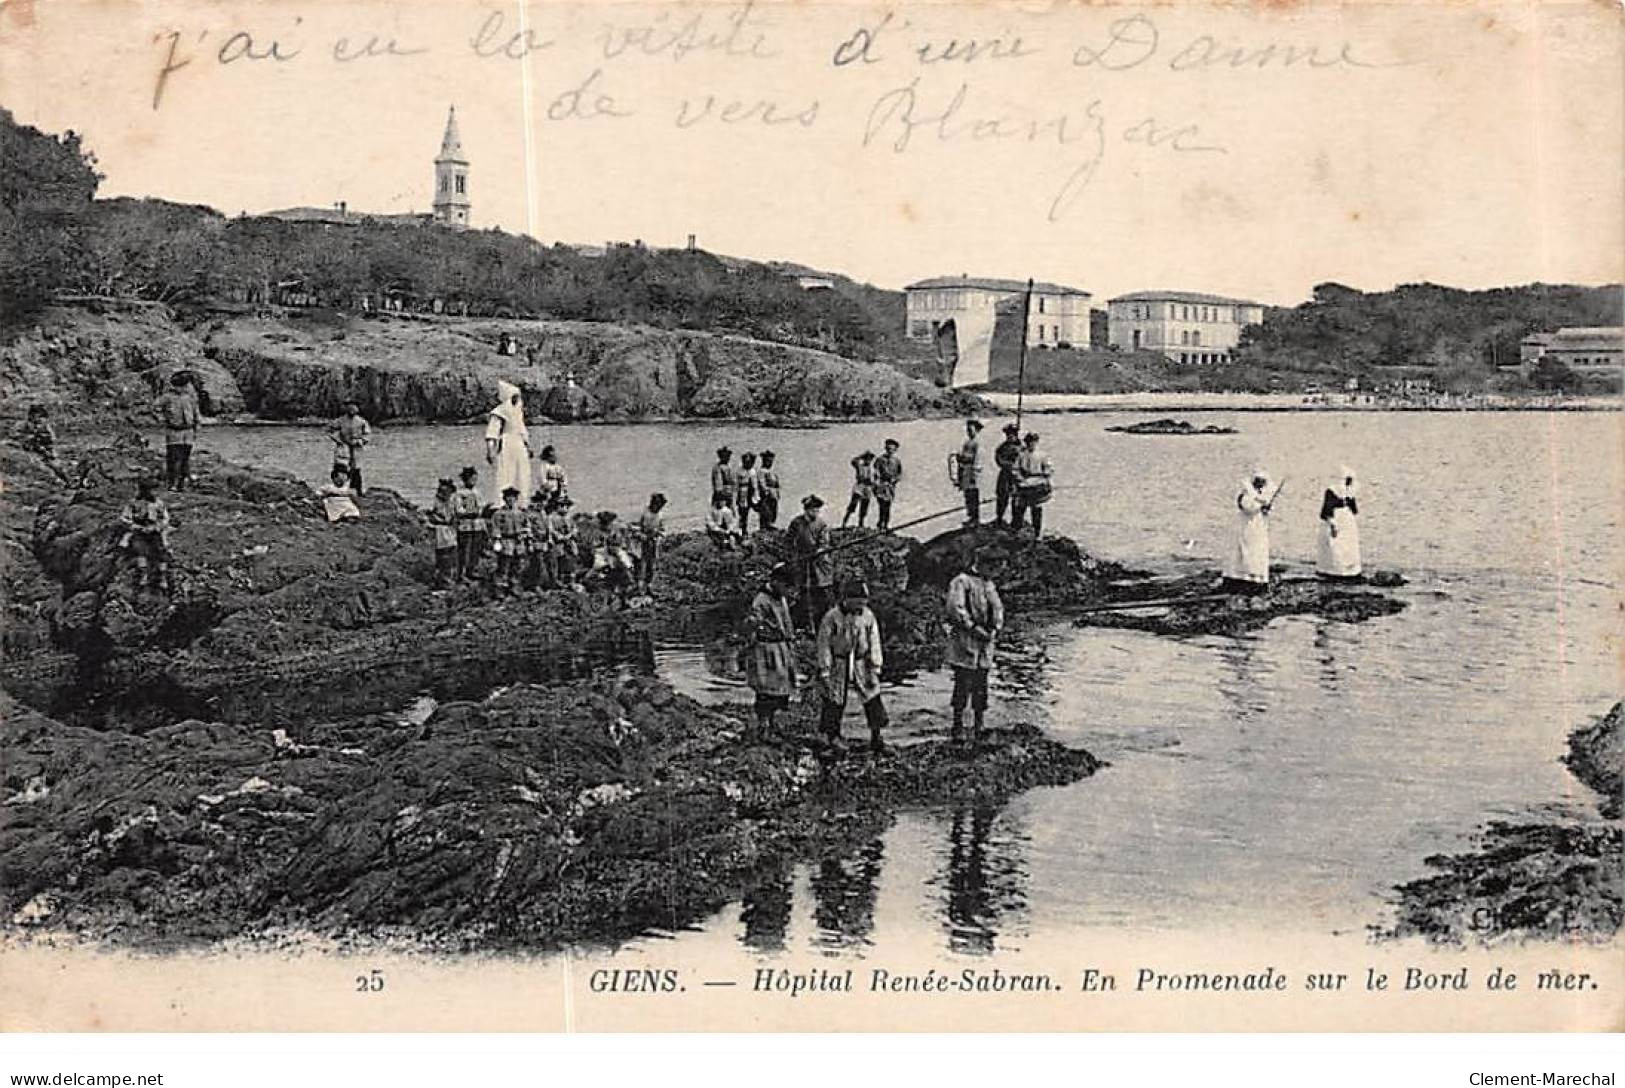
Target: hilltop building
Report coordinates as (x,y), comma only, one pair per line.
(451,202)
(1598,349)
(1058,314)
(1187,326)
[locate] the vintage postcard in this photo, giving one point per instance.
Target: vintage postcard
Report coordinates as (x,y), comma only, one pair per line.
(762,515)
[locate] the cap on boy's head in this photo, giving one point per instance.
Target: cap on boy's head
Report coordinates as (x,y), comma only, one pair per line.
(892,443)
(812,502)
(539,498)
(782,574)
(36,409)
(340,472)
(510,492)
(548,451)
(351,406)
(724,451)
(657,499)
(180,378)
(445,484)
(1012,429)
(974,423)
(767,455)
(855,590)
(469,473)
(1031,439)
(606,516)
(866,455)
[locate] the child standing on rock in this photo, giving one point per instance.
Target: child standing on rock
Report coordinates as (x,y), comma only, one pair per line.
(507,539)
(651,527)
(539,550)
(443,517)
(470,524)
(562,532)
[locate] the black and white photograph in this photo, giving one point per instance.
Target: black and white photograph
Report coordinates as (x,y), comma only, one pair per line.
(747,516)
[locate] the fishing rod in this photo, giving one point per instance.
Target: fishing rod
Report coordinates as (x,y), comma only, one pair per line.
(831,548)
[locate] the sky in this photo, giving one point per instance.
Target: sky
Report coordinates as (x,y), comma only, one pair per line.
(1244,151)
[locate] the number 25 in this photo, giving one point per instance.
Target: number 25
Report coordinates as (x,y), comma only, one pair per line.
(369,983)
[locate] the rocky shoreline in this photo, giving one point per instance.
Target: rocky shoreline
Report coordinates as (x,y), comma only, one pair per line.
(305,735)
(1554,880)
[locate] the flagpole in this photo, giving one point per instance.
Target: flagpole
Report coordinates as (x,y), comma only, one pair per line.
(1021,373)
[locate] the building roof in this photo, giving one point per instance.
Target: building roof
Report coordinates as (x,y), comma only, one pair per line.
(1590,336)
(985,283)
(1184,296)
(451,143)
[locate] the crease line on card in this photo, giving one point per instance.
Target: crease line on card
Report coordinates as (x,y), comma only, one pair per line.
(525,120)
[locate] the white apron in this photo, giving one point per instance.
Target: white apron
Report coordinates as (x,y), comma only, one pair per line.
(1340,554)
(1250,561)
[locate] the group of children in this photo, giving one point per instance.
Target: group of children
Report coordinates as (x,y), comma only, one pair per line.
(541,546)
(738,492)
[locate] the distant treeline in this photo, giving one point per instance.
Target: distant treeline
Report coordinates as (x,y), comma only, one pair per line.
(56,238)
(1459,334)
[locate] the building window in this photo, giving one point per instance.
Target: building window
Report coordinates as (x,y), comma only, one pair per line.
(443,181)
(1196,336)
(462,184)
(1040,303)
(1055,333)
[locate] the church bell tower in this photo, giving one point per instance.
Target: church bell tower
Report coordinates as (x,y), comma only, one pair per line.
(451,178)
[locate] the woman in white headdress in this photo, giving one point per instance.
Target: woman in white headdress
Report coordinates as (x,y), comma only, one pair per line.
(507,442)
(1248,570)
(1340,530)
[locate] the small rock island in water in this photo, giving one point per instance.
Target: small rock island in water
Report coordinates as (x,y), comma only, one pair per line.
(1170,426)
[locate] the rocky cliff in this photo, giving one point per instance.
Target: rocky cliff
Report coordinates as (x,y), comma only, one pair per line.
(102,361)
(445,370)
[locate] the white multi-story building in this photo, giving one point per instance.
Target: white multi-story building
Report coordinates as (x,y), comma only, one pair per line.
(1057,314)
(1186,326)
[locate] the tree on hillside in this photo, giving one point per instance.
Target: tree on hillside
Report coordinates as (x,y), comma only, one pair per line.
(46,182)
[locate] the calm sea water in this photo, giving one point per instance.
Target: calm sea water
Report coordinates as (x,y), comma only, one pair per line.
(1286,779)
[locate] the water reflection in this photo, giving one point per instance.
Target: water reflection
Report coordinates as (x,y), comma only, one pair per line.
(985,881)
(1246,681)
(445,672)
(765,913)
(844,886)
(1329,673)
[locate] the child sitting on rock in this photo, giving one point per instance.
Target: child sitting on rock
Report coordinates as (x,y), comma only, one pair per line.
(338,497)
(611,559)
(146,535)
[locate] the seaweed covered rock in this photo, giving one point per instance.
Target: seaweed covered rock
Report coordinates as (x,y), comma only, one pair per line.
(1553,880)
(1194,606)
(1595,756)
(1053,569)
(535,816)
